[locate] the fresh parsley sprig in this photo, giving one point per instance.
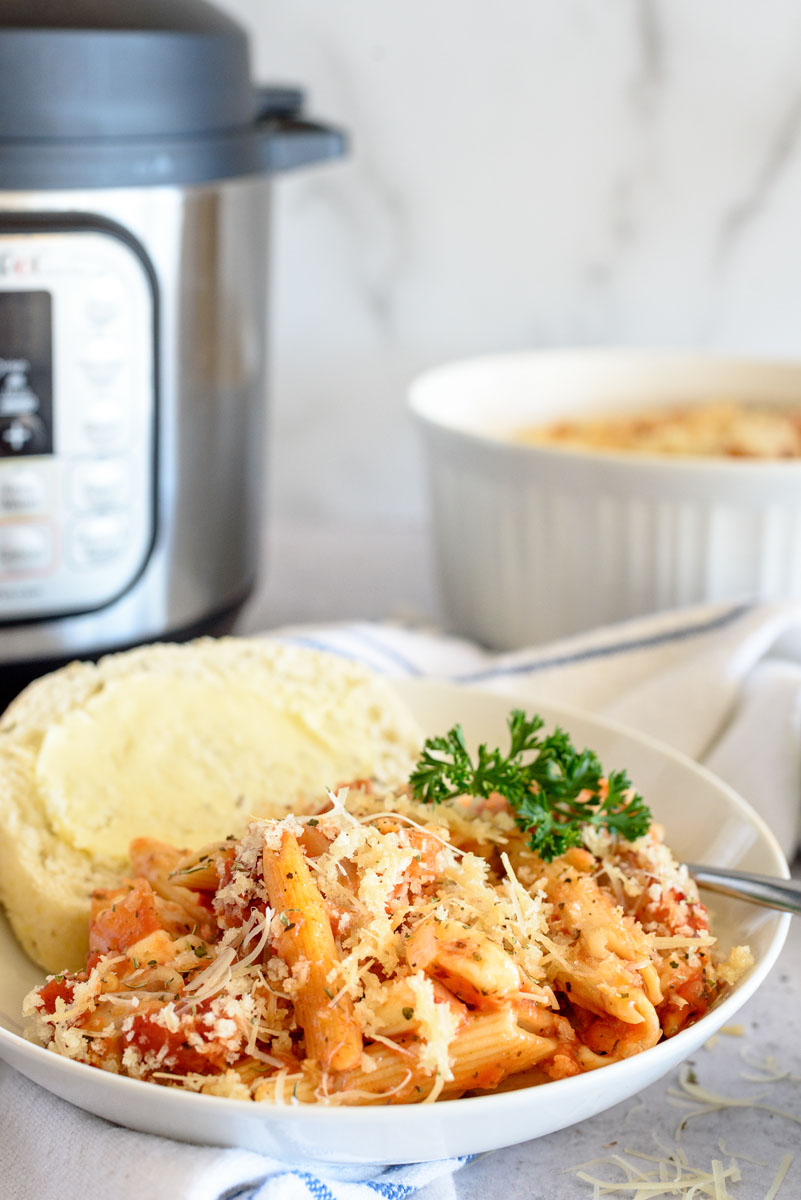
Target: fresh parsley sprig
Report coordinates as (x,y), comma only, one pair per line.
(553,788)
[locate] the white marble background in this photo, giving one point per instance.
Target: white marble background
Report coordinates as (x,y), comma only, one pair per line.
(522,173)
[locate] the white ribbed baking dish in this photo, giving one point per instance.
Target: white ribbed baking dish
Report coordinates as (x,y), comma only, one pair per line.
(532,543)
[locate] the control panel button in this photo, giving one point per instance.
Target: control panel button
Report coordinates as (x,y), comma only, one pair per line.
(96,541)
(27,547)
(22,490)
(100,483)
(101,359)
(23,434)
(104,300)
(104,424)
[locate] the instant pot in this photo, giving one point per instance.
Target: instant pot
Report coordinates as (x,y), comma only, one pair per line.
(135,160)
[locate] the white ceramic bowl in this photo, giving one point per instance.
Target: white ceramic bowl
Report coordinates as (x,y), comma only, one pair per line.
(535,542)
(704,819)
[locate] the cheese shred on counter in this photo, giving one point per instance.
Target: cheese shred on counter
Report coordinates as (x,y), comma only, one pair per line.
(365,953)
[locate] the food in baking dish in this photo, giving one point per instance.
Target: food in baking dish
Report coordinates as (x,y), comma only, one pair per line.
(377,950)
(726,428)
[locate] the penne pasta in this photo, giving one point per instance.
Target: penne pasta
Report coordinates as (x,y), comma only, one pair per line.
(366,955)
(306,944)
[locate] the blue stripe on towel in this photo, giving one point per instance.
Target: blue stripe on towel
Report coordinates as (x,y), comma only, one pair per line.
(359,634)
(318,643)
(393,1183)
(643,643)
(391,1191)
(316,1188)
(375,643)
(416,1176)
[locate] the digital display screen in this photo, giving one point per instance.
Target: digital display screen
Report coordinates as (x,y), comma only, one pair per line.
(26,373)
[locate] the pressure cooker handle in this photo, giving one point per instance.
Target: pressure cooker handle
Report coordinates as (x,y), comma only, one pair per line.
(288,140)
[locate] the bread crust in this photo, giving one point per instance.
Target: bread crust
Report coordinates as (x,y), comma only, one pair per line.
(46,882)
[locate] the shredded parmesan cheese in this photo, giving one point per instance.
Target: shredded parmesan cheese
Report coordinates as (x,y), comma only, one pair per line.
(453,957)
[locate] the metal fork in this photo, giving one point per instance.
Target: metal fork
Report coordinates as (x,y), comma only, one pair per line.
(767,890)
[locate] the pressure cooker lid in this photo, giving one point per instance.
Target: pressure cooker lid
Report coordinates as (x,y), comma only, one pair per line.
(120,92)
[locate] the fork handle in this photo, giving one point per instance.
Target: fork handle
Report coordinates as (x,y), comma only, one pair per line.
(767,890)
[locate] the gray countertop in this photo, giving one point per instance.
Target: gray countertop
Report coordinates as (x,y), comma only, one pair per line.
(319,574)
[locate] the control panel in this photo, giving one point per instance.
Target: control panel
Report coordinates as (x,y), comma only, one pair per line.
(77,420)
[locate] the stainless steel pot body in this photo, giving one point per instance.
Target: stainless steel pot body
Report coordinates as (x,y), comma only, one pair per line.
(189,265)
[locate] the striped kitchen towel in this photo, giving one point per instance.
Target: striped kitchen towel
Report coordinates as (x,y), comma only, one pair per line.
(721,683)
